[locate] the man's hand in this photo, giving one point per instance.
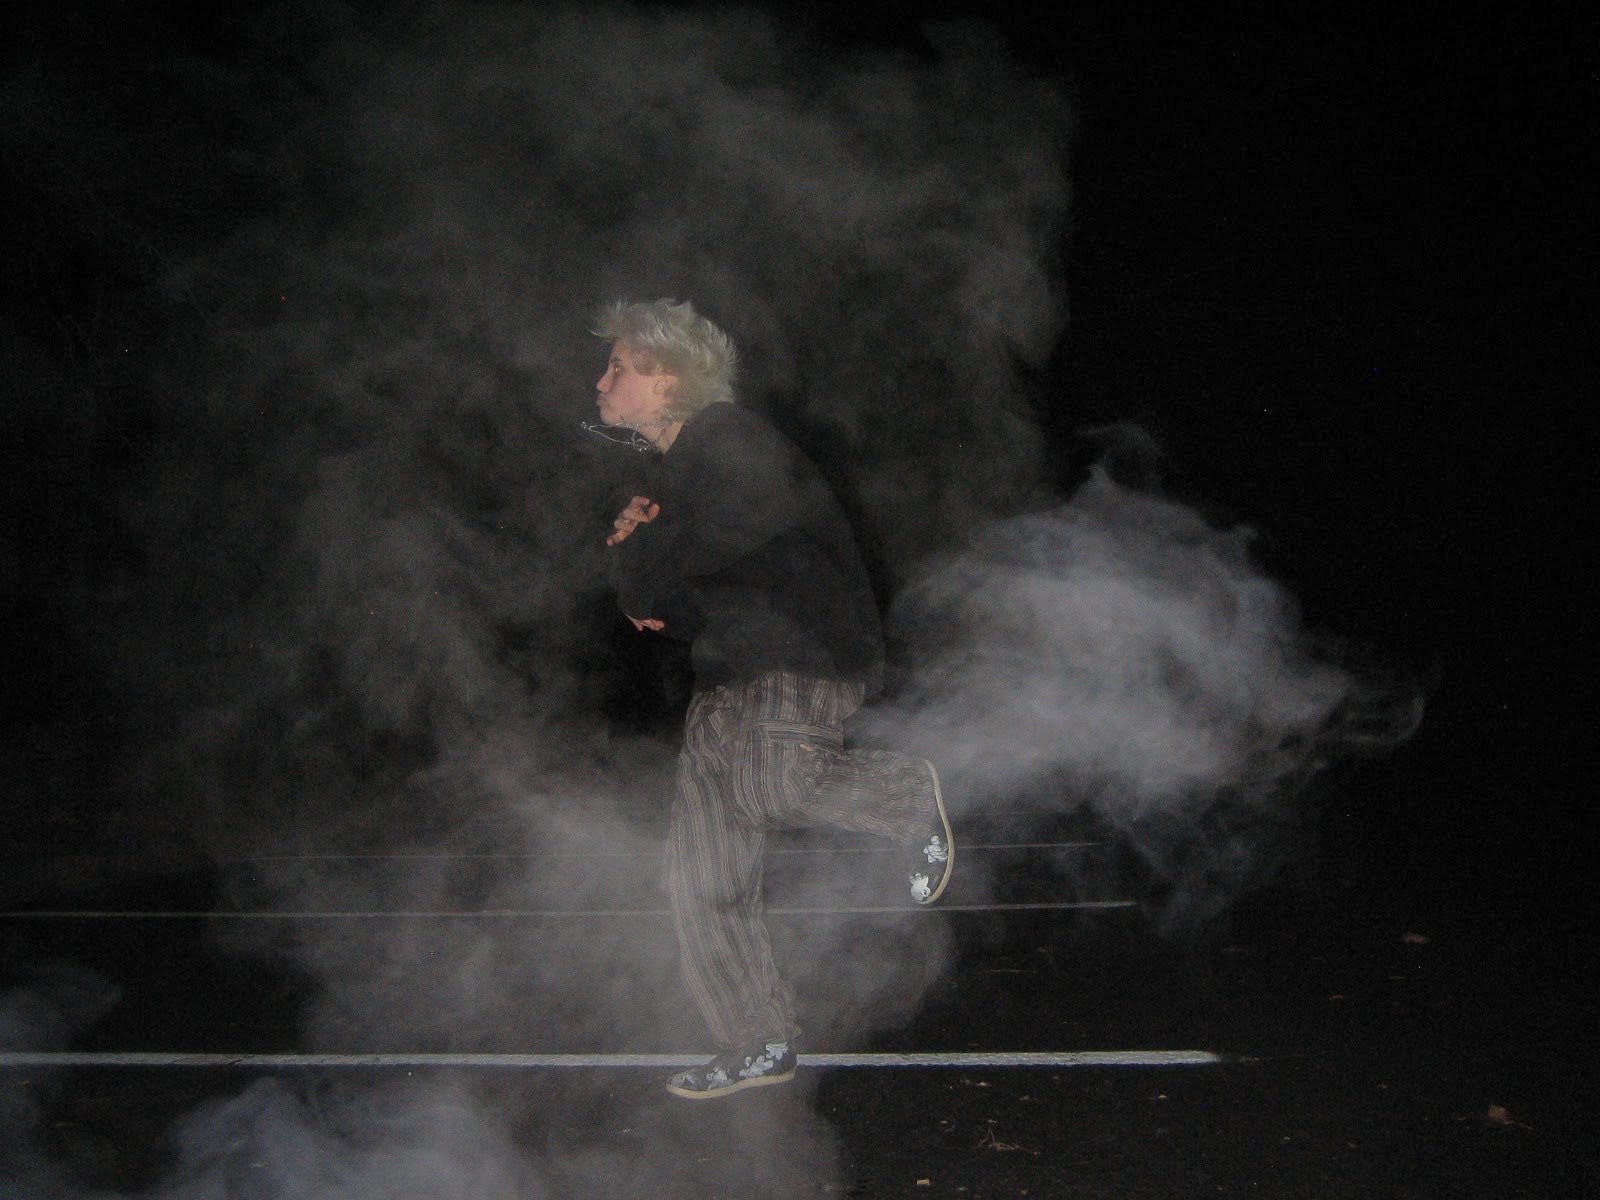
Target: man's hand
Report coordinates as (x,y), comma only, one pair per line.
(650,623)
(641,510)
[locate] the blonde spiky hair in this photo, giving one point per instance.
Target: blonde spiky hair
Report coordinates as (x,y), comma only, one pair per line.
(671,338)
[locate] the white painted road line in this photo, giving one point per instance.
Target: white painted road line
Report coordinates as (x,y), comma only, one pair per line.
(974,1059)
(588,854)
(499,913)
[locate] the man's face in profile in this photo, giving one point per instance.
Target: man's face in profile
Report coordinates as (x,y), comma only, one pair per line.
(627,396)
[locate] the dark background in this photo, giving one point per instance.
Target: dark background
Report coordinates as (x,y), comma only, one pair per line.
(1337,263)
(1331,261)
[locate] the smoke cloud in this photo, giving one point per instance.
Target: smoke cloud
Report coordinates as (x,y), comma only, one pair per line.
(370,508)
(356,627)
(1119,639)
(385,509)
(59,1003)
(1122,656)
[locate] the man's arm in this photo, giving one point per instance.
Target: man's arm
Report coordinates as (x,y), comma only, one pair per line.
(640,510)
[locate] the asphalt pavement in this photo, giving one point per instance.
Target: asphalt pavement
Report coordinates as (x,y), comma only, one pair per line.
(1374,1031)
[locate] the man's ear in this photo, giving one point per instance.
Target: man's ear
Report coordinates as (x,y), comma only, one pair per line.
(665,385)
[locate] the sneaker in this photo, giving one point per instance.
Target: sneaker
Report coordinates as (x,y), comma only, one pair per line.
(935,859)
(771,1062)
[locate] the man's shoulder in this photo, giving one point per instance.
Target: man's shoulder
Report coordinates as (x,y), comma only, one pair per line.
(723,431)
(729,420)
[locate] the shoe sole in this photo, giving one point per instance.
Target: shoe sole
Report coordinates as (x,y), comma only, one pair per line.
(713,1094)
(949,839)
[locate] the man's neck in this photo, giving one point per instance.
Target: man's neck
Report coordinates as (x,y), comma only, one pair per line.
(663,440)
(660,434)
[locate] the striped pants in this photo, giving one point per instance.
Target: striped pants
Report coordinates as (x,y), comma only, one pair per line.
(757,754)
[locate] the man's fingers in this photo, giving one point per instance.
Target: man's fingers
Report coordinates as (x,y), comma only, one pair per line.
(639,510)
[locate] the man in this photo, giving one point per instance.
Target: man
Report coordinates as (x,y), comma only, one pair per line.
(740,550)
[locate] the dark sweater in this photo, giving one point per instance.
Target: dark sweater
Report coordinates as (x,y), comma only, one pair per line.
(750,559)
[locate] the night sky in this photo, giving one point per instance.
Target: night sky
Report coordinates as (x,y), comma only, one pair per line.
(1333,265)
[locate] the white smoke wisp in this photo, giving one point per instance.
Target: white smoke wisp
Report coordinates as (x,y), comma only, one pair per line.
(277,1142)
(1121,639)
(45,1014)
(1121,655)
(442,1136)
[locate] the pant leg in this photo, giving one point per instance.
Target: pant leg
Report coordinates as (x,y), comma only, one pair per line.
(767,751)
(714,880)
(879,792)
